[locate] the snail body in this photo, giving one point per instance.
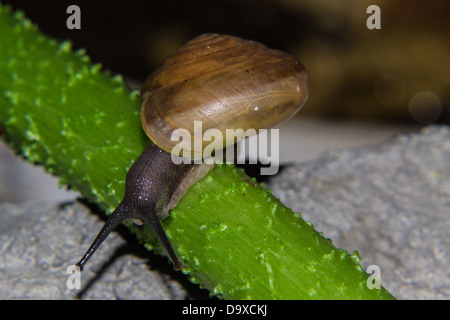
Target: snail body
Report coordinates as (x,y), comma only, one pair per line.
(224,82)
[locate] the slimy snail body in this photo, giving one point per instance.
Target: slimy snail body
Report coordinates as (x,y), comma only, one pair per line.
(225,83)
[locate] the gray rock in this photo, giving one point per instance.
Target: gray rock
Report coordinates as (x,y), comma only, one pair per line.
(391,202)
(39,241)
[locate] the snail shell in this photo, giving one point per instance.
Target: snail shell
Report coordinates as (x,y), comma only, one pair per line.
(225,82)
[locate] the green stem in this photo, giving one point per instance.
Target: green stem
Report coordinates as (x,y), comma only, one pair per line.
(82,124)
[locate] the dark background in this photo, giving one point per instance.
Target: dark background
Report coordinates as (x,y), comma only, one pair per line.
(355,73)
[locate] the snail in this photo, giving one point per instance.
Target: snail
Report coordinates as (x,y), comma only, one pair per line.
(220,80)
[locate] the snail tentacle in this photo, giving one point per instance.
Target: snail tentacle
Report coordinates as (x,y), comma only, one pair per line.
(121,213)
(153,222)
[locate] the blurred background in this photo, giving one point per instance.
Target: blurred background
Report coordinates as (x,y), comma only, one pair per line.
(366,85)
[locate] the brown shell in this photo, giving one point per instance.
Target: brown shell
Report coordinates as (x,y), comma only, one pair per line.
(225,82)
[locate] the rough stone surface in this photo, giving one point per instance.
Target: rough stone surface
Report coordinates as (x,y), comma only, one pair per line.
(391,202)
(38,241)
